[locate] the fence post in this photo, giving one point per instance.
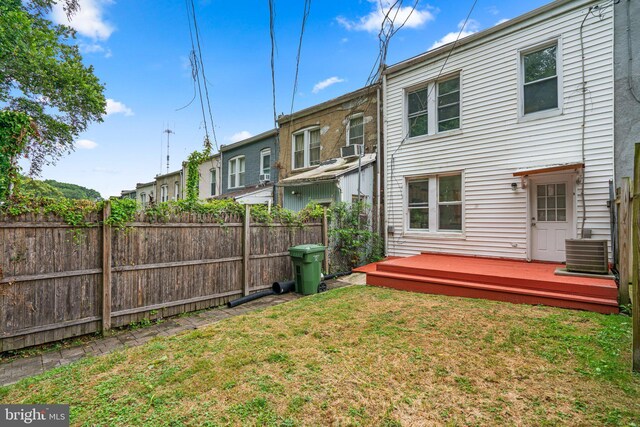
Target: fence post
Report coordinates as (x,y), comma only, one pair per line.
(636,263)
(106,267)
(624,240)
(246,245)
(325,240)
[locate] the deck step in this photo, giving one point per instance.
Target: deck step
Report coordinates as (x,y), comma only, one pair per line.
(603,290)
(493,291)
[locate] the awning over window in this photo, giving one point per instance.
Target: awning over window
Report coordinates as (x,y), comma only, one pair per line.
(549,169)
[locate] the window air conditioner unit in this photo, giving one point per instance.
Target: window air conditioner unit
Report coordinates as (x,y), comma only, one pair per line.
(352,150)
(587,256)
(265,177)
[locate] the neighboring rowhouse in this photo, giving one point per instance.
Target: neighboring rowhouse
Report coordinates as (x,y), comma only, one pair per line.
(328,151)
(169,186)
(209,182)
(146,193)
(128,194)
(484,142)
(248,175)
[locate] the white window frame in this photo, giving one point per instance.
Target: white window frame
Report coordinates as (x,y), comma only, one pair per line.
(239,172)
(143,199)
(264,153)
(164,193)
(355,116)
(176,190)
(432,106)
(213,174)
(433,206)
(559,73)
(307,147)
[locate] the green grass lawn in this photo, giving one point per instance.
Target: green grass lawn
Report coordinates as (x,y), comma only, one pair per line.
(363,356)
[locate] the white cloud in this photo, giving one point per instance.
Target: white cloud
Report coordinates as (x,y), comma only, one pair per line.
(502,21)
(88,20)
(239,136)
(117,107)
(493,10)
(94,48)
(86,144)
(374,20)
(326,83)
(471,28)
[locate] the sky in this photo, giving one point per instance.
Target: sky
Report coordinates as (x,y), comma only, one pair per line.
(140,51)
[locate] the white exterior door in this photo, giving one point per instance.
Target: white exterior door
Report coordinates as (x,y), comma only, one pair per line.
(552,218)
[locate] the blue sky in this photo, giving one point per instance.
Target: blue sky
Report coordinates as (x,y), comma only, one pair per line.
(140,51)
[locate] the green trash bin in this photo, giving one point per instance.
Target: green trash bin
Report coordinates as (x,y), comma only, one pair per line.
(307,263)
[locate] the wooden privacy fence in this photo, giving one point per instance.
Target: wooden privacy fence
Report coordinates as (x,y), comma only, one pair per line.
(51,278)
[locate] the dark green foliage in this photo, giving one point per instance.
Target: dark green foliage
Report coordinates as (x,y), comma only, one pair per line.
(42,76)
(73,191)
(15,129)
(353,242)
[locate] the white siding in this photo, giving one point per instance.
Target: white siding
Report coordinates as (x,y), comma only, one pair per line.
(349,185)
(493,143)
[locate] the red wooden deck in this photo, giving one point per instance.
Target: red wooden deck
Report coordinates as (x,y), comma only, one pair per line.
(494,279)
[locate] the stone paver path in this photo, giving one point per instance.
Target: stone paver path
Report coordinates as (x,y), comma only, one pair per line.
(14,370)
(17,369)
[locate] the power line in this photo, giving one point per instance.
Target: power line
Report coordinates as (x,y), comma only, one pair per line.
(194,67)
(272,35)
(305,15)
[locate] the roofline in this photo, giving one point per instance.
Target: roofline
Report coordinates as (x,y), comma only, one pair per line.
(430,54)
(168,174)
(324,105)
(143,184)
(263,135)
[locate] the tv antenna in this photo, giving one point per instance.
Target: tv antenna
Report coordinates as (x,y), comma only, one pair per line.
(168,132)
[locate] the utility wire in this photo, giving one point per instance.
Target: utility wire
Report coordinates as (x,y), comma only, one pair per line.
(204,78)
(272,35)
(305,15)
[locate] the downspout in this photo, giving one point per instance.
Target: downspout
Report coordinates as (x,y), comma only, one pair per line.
(378,161)
(584,124)
(383,164)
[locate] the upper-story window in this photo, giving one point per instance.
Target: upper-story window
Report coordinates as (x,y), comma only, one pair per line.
(540,79)
(214,180)
(434,107)
(306,148)
(176,190)
(236,172)
(143,199)
(355,131)
(265,163)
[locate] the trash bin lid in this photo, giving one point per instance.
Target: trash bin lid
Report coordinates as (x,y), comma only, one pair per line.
(305,249)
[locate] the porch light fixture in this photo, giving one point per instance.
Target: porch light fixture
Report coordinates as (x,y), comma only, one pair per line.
(514,186)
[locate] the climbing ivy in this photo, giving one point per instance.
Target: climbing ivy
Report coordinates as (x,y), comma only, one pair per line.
(193,163)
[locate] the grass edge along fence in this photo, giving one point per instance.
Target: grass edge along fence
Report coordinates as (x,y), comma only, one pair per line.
(161,262)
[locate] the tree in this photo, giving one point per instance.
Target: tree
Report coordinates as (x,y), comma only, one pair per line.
(42,76)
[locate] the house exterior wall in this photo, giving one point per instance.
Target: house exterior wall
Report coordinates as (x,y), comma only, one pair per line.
(493,142)
(324,192)
(332,118)
(170,180)
(147,190)
(204,182)
(348,185)
(251,152)
(627,109)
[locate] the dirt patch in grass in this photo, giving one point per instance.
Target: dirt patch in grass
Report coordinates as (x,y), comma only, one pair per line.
(363,356)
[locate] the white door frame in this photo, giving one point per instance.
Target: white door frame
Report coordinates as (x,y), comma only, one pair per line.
(531,181)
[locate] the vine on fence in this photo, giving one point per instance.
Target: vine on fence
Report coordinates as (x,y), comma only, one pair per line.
(193,163)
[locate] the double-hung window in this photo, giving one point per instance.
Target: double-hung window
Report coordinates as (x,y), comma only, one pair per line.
(306,148)
(176,190)
(236,172)
(265,164)
(355,131)
(540,89)
(164,193)
(434,107)
(434,203)
(214,179)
